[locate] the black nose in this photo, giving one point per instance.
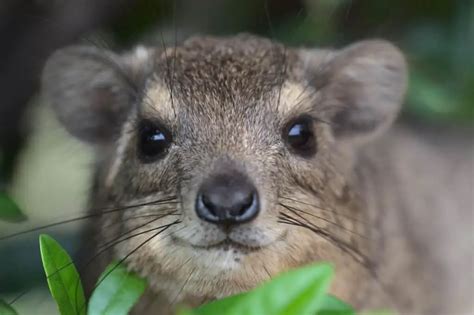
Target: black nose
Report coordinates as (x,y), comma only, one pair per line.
(227,199)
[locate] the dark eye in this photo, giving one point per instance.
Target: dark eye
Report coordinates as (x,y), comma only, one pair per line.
(300,137)
(153,141)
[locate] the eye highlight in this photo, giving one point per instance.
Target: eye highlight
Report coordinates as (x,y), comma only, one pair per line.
(299,136)
(153,141)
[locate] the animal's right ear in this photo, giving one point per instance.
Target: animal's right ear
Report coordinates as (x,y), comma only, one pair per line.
(362,87)
(92,90)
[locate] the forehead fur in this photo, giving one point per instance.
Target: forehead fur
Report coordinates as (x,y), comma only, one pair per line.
(289,99)
(234,73)
(244,67)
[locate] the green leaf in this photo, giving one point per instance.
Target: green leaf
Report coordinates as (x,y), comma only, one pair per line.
(333,306)
(63,279)
(222,306)
(6,309)
(185,311)
(117,291)
(379,312)
(9,211)
(300,291)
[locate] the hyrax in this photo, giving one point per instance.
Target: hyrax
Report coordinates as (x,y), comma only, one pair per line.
(230,160)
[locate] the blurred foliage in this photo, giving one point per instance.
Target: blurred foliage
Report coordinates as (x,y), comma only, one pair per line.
(9,210)
(436,36)
(6,309)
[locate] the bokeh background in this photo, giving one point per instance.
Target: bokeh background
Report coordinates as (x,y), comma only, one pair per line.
(47,173)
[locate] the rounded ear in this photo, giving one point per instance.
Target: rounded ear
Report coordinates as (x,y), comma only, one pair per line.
(363,87)
(92,90)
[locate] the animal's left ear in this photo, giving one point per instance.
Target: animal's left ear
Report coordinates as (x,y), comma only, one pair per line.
(363,87)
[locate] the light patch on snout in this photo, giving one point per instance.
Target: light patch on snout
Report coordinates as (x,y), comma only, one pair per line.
(222,260)
(295,98)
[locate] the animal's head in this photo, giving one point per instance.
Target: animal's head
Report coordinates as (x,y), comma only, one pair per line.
(239,138)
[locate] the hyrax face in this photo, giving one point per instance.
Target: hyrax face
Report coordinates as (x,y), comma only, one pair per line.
(239,152)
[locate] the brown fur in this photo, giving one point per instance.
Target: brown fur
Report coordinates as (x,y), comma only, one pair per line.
(227,101)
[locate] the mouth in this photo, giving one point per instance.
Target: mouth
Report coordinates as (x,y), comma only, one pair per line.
(225,245)
(229,244)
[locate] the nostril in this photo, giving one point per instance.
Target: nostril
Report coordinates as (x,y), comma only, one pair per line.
(205,209)
(249,208)
(208,204)
(227,199)
(246,203)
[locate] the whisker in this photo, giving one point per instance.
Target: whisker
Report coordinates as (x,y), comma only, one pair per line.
(88,263)
(118,241)
(309,97)
(354,253)
(96,213)
(169,74)
(323,209)
(282,75)
(284,62)
(121,261)
(106,211)
(103,250)
(186,281)
(174,57)
(293,209)
(134,229)
(269,21)
(344,246)
(19,296)
(149,215)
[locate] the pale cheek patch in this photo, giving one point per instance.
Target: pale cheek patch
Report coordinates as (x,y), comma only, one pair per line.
(294,98)
(118,158)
